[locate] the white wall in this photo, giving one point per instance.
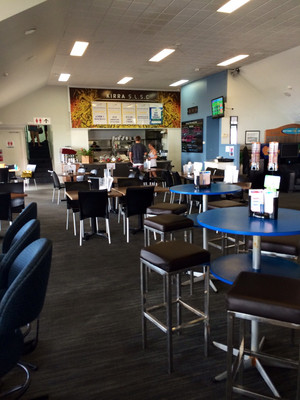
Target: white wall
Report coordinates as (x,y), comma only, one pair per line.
(174,147)
(265,94)
(50,101)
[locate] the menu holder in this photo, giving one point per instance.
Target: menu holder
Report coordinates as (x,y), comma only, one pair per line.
(263,203)
(202,180)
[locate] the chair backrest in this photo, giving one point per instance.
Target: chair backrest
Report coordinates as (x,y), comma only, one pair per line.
(26,235)
(56,181)
(31,167)
(93,204)
(27,284)
(167,177)
(5,206)
(138,199)
(176,178)
(29,212)
(4,174)
(125,182)
(14,187)
(17,205)
(79,186)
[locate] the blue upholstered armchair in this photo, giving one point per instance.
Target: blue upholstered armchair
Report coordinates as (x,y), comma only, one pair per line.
(27,281)
(29,212)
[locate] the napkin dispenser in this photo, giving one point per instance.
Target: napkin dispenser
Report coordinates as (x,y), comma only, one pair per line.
(263,203)
(202,179)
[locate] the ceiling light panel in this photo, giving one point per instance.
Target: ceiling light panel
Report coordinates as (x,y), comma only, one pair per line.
(232,5)
(79,48)
(178,83)
(124,80)
(233,60)
(161,55)
(64,77)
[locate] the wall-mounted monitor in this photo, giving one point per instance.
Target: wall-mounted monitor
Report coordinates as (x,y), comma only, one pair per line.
(218,107)
(289,150)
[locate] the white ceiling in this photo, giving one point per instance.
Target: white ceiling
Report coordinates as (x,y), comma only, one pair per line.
(124,34)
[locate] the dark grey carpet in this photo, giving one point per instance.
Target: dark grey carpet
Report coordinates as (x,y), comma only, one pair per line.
(90,338)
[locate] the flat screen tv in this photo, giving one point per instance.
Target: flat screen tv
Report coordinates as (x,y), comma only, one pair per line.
(218,107)
(289,150)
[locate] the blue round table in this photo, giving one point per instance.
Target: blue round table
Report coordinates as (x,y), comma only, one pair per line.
(216,188)
(236,220)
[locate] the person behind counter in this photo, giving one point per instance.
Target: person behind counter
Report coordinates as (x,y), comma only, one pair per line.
(152,156)
(137,153)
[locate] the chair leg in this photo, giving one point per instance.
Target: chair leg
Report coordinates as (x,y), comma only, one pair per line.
(58,196)
(67,219)
(127,230)
(107,230)
(53,195)
(74,223)
(81,233)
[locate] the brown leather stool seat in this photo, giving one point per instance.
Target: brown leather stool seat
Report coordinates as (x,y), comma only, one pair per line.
(263,298)
(224,204)
(167,223)
(167,208)
(281,245)
(172,259)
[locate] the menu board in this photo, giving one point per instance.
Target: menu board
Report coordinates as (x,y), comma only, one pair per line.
(192,136)
(121,113)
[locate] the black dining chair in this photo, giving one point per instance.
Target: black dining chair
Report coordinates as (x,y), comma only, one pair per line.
(57,186)
(5,208)
(18,204)
(93,204)
(4,175)
(74,204)
(136,202)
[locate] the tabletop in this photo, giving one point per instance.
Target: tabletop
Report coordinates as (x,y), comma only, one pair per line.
(216,188)
(236,220)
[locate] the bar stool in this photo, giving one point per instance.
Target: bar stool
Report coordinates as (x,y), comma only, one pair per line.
(167,208)
(167,224)
(171,259)
(269,299)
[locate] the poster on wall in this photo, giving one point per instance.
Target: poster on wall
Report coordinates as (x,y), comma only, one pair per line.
(114,113)
(86,114)
(192,136)
(156,114)
(99,113)
(128,114)
(142,114)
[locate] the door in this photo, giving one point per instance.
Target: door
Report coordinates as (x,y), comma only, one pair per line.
(12,145)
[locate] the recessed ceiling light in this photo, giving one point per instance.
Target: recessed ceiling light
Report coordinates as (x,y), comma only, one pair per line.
(79,48)
(232,5)
(124,80)
(162,54)
(64,77)
(233,60)
(178,83)
(30,31)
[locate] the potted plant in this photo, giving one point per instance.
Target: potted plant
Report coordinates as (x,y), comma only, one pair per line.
(87,156)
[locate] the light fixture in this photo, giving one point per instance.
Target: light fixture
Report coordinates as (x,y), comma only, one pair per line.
(178,83)
(79,48)
(124,80)
(161,55)
(232,5)
(30,31)
(233,60)
(64,77)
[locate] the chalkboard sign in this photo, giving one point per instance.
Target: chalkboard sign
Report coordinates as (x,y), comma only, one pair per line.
(192,136)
